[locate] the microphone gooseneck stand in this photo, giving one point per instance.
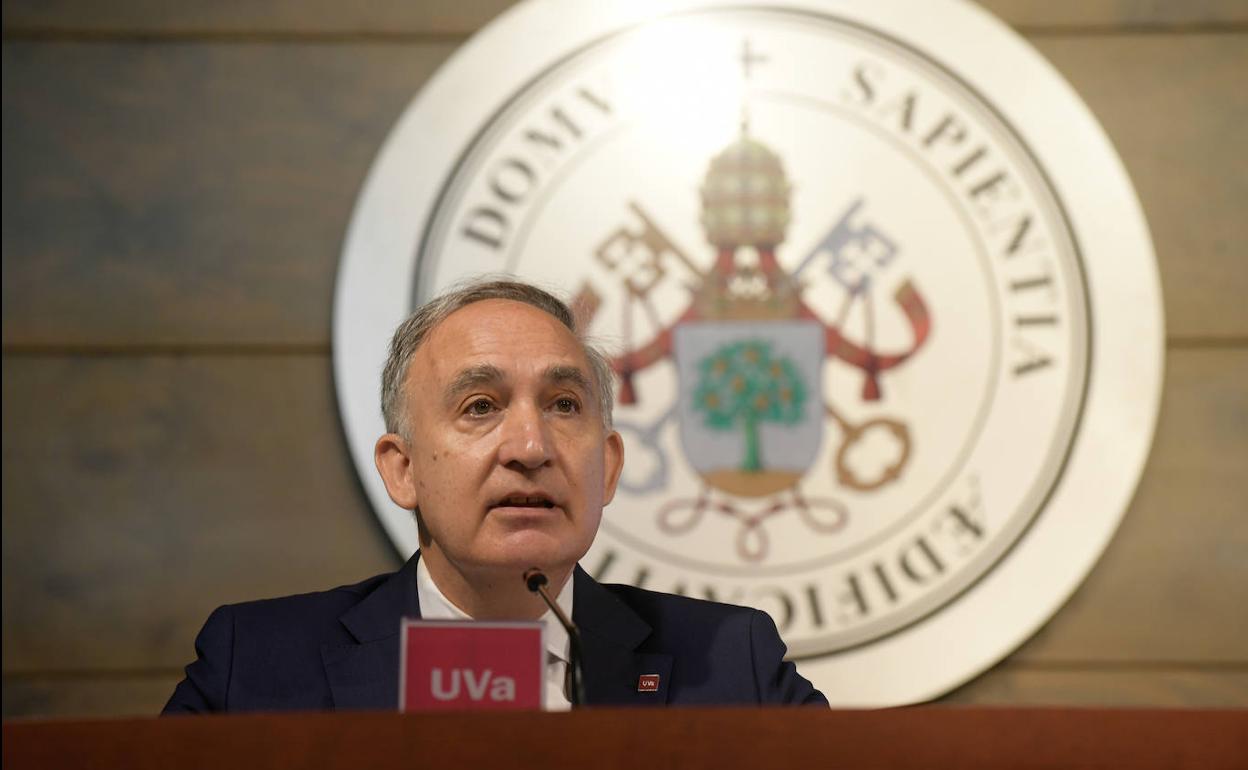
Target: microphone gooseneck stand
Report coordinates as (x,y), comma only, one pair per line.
(535,580)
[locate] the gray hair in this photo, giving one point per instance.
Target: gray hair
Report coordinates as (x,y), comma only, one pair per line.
(413,331)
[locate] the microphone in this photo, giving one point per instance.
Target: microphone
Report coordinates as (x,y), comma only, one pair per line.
(535,580)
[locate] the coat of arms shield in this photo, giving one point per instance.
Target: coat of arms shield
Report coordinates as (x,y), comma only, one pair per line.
(750,401)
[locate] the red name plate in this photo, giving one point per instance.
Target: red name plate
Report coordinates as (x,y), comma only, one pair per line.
(461,665)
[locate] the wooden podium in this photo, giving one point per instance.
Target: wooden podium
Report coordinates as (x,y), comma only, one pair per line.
(919,737)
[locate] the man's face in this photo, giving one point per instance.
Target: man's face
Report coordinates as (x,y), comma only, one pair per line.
(509,460)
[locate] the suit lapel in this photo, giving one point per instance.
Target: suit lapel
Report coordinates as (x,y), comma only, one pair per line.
(365,675)
(611,633)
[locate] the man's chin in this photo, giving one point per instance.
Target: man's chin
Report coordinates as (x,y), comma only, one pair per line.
(523,551)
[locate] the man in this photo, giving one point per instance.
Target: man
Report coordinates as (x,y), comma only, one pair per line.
(499,439)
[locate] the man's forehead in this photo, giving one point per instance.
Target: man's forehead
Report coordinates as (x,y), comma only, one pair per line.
(499,333)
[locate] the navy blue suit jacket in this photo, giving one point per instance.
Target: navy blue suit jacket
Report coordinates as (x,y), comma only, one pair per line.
(339,649)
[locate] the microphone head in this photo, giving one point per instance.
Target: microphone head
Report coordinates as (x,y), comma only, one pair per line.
(534,579)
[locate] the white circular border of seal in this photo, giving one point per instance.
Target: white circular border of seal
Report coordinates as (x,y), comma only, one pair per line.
(1018,595)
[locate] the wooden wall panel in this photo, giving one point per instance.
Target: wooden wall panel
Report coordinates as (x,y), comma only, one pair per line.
(106,696)
(177,182)
(141,492)
(151,184)
(1173,583)
(1175,107)
(1179,687)
(154,489)
(243,17)
(1079,15)
(147,187)
(461,17)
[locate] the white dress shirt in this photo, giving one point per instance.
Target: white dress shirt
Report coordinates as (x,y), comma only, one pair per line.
(435,606)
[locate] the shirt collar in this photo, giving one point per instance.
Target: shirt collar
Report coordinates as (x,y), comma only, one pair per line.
(435,606)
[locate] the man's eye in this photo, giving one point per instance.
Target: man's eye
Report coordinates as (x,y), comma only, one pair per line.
(567,405)
(480,407)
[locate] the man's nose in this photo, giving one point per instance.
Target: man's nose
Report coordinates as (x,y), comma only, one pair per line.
(525,440)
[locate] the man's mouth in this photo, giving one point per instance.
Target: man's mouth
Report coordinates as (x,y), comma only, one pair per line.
(525,501)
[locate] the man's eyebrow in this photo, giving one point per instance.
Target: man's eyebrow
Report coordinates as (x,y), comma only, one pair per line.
(562,374)
(472,377)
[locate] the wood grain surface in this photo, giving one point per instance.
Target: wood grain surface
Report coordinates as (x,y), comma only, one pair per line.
(155,489)
(1173,583)
(926,737)
(86,694)
(155,182)
(177,182)
(155,185)
(462,17)
(1010,684)
(1175,108)
(198,481)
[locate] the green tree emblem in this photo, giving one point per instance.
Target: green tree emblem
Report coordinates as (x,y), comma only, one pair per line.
(741,385)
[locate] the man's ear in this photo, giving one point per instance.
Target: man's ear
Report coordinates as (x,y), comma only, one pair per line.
(394,463)
(613,464)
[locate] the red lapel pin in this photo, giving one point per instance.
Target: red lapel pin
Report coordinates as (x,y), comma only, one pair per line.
(648,683)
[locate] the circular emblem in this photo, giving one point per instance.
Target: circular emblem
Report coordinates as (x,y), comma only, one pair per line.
(882,305)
